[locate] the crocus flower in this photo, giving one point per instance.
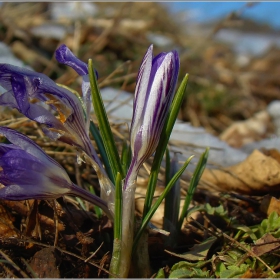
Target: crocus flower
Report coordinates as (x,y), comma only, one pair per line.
(154,93)
(27,172)
(25,90)
(155,88)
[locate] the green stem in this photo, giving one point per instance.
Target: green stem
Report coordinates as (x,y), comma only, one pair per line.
(118,208)
(117,246)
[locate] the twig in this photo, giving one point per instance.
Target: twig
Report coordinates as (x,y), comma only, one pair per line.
(7,270)
(16,267)
(34,274)
(93,254)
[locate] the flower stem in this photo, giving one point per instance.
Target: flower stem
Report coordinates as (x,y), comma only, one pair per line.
(80,192)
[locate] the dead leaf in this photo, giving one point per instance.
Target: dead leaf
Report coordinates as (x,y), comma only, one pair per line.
(274,153)
(258,173)
(44,264)
(198,252)
(7,228)
(266,244)
(270,204)
(244,132)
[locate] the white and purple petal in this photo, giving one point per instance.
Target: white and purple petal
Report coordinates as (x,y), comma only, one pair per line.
(154,93)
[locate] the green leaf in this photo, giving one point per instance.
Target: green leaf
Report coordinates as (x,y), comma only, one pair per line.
(193,184)
(160,274)
(219,268)
(183,270)
(164,138)
(248,232)
(97,210)
(233,271)
(235,254)
(153,209)
(126,157)
(219,210)
(104,125)
(98,140)
(172,203)
(167,166)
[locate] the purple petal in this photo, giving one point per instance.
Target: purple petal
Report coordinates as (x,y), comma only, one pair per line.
(26,144)
(23,192)
(26,85)
(64,56)
(5,148)
(27,172)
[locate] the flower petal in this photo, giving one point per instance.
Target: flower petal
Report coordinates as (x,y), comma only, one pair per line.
(27,86)
(64,56)
(28,173)
(155,89)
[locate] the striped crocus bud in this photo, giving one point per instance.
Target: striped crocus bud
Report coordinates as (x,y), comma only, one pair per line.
(154,93)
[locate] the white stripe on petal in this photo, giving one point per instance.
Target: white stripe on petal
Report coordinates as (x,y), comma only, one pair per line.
(141,90)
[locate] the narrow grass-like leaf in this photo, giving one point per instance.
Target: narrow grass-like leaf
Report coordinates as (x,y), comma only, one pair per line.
(104,125)
(118,208)
(193,184)
(164,138)
(98,140)
(81,202)
(97,210)
(167,166)
(172,205)
(153,209)
(125,157)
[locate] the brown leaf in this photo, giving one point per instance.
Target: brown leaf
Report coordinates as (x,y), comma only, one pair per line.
(270,204)
(256,174)
(44,264)
(266,244)
(7,228)
(244,132)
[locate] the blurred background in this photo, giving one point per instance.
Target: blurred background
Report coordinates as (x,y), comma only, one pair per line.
(230,49)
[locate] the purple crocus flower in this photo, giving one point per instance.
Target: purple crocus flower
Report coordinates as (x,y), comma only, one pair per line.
(27,172)
(155,88)
(25,90)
